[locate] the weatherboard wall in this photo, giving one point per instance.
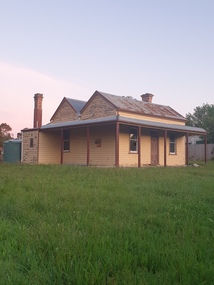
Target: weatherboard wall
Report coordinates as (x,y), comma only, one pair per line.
(77,154)
(125,157)
(130,159)
(145,146)
(102,145)
(103,152)
(49,147)
(177,159)
(152,118)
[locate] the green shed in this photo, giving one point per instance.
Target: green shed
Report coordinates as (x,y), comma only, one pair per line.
(12,151)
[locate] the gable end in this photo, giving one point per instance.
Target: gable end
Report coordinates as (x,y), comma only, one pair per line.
(97,107)
(65,112)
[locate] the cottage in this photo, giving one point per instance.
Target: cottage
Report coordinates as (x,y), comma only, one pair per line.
(108,130)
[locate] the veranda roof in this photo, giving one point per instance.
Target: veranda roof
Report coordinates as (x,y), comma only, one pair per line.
(123,120)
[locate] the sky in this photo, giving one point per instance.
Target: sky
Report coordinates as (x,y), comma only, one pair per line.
(67,48)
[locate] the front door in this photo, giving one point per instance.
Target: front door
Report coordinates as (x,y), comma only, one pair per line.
(154,147)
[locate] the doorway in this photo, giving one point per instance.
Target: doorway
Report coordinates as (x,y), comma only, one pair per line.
(154,148)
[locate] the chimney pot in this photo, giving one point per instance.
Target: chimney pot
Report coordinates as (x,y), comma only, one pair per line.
(147,97)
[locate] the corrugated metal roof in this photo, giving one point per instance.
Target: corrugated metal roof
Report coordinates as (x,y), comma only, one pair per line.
(143,123)
(77,104)
(130,104)
(78,123)
(163,125)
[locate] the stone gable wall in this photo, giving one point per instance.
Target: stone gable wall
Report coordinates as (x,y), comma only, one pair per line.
(98,108)
(65,113)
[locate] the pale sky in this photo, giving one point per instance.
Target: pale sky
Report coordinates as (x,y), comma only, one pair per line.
(69,48)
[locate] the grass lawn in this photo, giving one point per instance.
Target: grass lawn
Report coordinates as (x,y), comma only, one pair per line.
(84,226)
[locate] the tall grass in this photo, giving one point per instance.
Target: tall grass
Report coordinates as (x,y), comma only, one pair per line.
(79,225)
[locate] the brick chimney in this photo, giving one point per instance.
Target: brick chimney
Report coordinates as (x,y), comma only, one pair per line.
(147,97)
(37,121)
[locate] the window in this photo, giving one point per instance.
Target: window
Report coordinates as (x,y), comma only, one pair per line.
(31,142)
(133,137)
(66,140)
(172,143)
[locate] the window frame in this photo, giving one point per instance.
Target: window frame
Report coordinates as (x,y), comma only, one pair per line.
(31,142)
(172,143)
(66,141)
(133,140)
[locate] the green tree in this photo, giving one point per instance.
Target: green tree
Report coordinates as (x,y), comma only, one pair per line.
(203,117)
(5,133)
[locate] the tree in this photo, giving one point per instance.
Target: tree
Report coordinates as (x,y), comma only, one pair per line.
(5,133)
(203,117)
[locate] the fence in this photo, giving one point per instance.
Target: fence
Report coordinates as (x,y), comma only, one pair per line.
(196,151)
